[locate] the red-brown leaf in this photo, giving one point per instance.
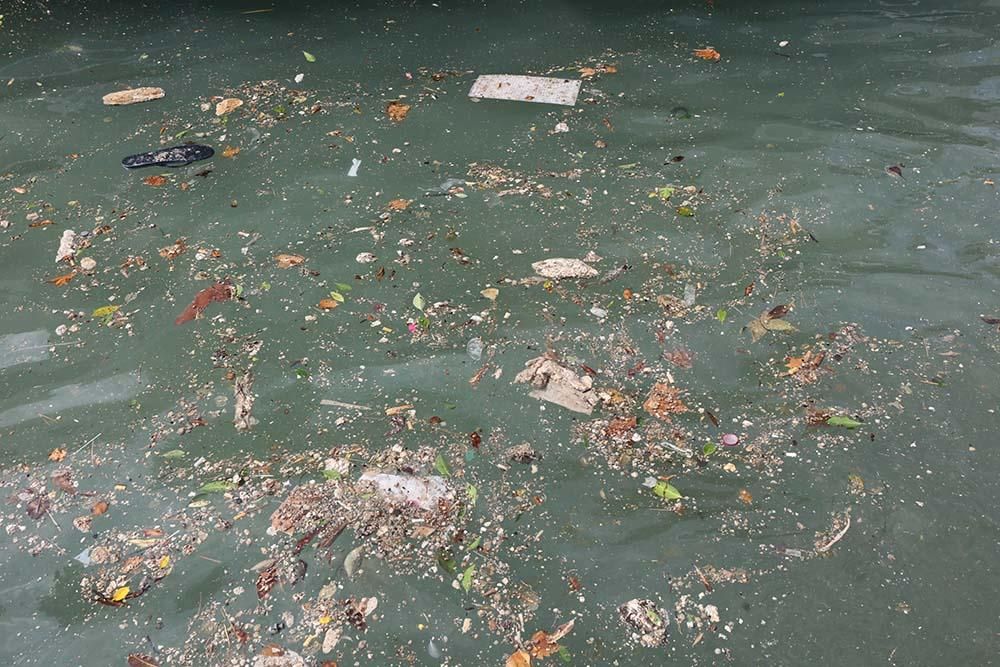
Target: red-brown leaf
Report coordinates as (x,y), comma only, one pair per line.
(218,292)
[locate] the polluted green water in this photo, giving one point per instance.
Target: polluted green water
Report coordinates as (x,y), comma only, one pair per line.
(270,410)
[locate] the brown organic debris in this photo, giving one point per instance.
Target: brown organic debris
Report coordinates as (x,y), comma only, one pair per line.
(217,293)
(663,401)
(397,111)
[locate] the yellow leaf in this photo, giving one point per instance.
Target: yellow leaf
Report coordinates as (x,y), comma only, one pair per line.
(325,620)
(491,293)
(104,311)
(164,563)
(120,594)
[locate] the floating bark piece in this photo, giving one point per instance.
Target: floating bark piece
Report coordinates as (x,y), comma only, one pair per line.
(132,96)
(561,267)
(557,384)
(227,106)
(243,420)
(218,292)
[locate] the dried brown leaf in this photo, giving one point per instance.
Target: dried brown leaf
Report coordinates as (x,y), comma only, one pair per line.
(397,111)
(287,260)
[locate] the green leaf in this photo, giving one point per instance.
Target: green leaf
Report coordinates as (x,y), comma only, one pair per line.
(265,286)
(446,562)
(309,57)
(666,491)
(337,296)
(442,466)
(217,487)
(331,474)
(474,544)
(564,654)
(104,311)
(467,578)
(301,373)
(182,134)
(419,302)
(472,492)
(425,322)
(653,617)
(721,314)
(174,454)
(709,448)
(664,193)
(685,211)
(343,287)
(840,420)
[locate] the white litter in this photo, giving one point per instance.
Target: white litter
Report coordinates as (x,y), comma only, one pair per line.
(355,163)
(539,89)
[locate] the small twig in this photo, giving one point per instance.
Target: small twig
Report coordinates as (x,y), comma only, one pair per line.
(837,538)
(704,581)
(209,559)
(87,443)
(341,404)
(49,514)
(47,418)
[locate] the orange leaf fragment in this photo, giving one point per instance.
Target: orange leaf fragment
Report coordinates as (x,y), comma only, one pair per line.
(40,223)
(397,110)
(99,508)
(57,454)
(708,53)
(400,204)
(64,279)
(745,496)
(287,260)
(328,304)
(155,181)
(519,659)
(230,151)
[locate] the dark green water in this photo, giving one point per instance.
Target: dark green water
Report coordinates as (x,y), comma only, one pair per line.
(888,277)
